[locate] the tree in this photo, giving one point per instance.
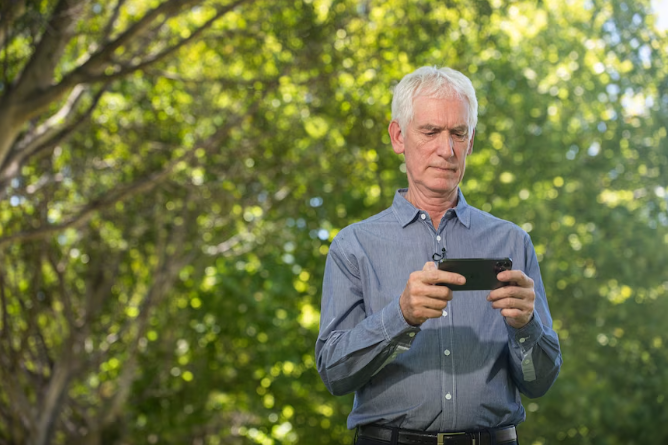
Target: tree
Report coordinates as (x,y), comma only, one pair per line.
(173,172)
(48,98)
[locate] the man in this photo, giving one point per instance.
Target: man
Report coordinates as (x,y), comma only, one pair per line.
(429,365)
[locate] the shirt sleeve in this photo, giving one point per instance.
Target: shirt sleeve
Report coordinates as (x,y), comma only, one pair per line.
(353,346)
(534,349)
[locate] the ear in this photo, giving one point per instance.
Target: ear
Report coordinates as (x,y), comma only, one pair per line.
(397,137)
(470,149)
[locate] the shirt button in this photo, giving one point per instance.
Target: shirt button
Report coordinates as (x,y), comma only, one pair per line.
(448,396)
(522,340)
(527,361)
(445,313)
(412,334)
(423,216)
(438,238)
(446,352)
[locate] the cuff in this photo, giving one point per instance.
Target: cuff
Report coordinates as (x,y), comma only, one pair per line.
(528,335)
(395,326)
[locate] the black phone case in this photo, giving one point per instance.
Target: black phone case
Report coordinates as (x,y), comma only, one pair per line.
(480,273)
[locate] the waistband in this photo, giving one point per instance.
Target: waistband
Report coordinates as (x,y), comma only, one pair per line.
(500,436)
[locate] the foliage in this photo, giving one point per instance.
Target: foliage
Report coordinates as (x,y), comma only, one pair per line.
(173,172)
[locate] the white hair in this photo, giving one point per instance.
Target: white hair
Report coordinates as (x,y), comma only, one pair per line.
(430,81)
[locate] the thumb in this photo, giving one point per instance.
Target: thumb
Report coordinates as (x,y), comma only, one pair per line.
(429,265)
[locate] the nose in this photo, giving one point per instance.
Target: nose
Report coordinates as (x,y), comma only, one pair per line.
(446,145)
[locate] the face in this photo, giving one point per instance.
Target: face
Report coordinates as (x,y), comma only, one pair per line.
(435,145)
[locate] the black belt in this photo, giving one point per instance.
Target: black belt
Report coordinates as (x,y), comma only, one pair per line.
(409,437)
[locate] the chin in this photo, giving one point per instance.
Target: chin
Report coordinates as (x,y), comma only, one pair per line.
(444,190)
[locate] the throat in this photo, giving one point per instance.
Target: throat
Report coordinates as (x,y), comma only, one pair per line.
(435,207)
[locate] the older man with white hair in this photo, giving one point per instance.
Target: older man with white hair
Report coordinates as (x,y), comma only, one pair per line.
(430,365)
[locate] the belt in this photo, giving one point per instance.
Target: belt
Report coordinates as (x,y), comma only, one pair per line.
(410,437)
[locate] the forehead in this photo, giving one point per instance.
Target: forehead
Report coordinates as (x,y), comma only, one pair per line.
(451,110)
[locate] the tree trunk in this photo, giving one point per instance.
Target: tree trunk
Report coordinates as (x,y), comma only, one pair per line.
(57,388)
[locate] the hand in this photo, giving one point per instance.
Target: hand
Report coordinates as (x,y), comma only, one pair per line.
(422,298)
(516,300)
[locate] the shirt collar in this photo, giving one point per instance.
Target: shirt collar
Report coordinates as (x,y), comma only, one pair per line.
(406,213)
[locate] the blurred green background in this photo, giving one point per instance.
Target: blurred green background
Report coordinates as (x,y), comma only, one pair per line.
(172,173)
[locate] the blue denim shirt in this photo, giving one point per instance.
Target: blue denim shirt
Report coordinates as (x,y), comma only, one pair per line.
(462,371)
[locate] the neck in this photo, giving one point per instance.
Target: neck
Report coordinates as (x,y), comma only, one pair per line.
(436,206)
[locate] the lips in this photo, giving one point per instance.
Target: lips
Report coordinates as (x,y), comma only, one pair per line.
(444,168)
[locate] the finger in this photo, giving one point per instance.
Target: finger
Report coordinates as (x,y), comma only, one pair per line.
(516,277)
(437,304)
(429,265)
(429,312)
(513,313)
(507,303)
(434,275)
(522,293)
(441,276)
(423,308)
(513,304)
(427,290)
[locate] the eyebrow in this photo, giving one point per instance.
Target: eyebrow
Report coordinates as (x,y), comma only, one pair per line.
(432,127)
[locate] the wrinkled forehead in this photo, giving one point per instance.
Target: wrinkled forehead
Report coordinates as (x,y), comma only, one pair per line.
(452,107)
(436,88)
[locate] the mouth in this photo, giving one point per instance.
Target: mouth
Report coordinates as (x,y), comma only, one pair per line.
(445,169)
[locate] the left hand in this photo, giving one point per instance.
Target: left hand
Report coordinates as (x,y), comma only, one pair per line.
(516,300)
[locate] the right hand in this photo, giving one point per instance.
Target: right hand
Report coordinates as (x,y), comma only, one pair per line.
(422,298)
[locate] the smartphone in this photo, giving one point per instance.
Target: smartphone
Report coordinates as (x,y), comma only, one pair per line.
(480,273)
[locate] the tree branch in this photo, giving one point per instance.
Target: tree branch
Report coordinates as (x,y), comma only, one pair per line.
(10,13)
(67,302)
(98,288)
(106,34)
(3,300)
(37,75)
(96,205)
(20,404)
(34,96)
(165,274)
(38,72)
(124,71)
(9,373)
(224,81)
(90,71)
(49,127)
(111,198)
(47,136)
(99,59)
(53,399)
